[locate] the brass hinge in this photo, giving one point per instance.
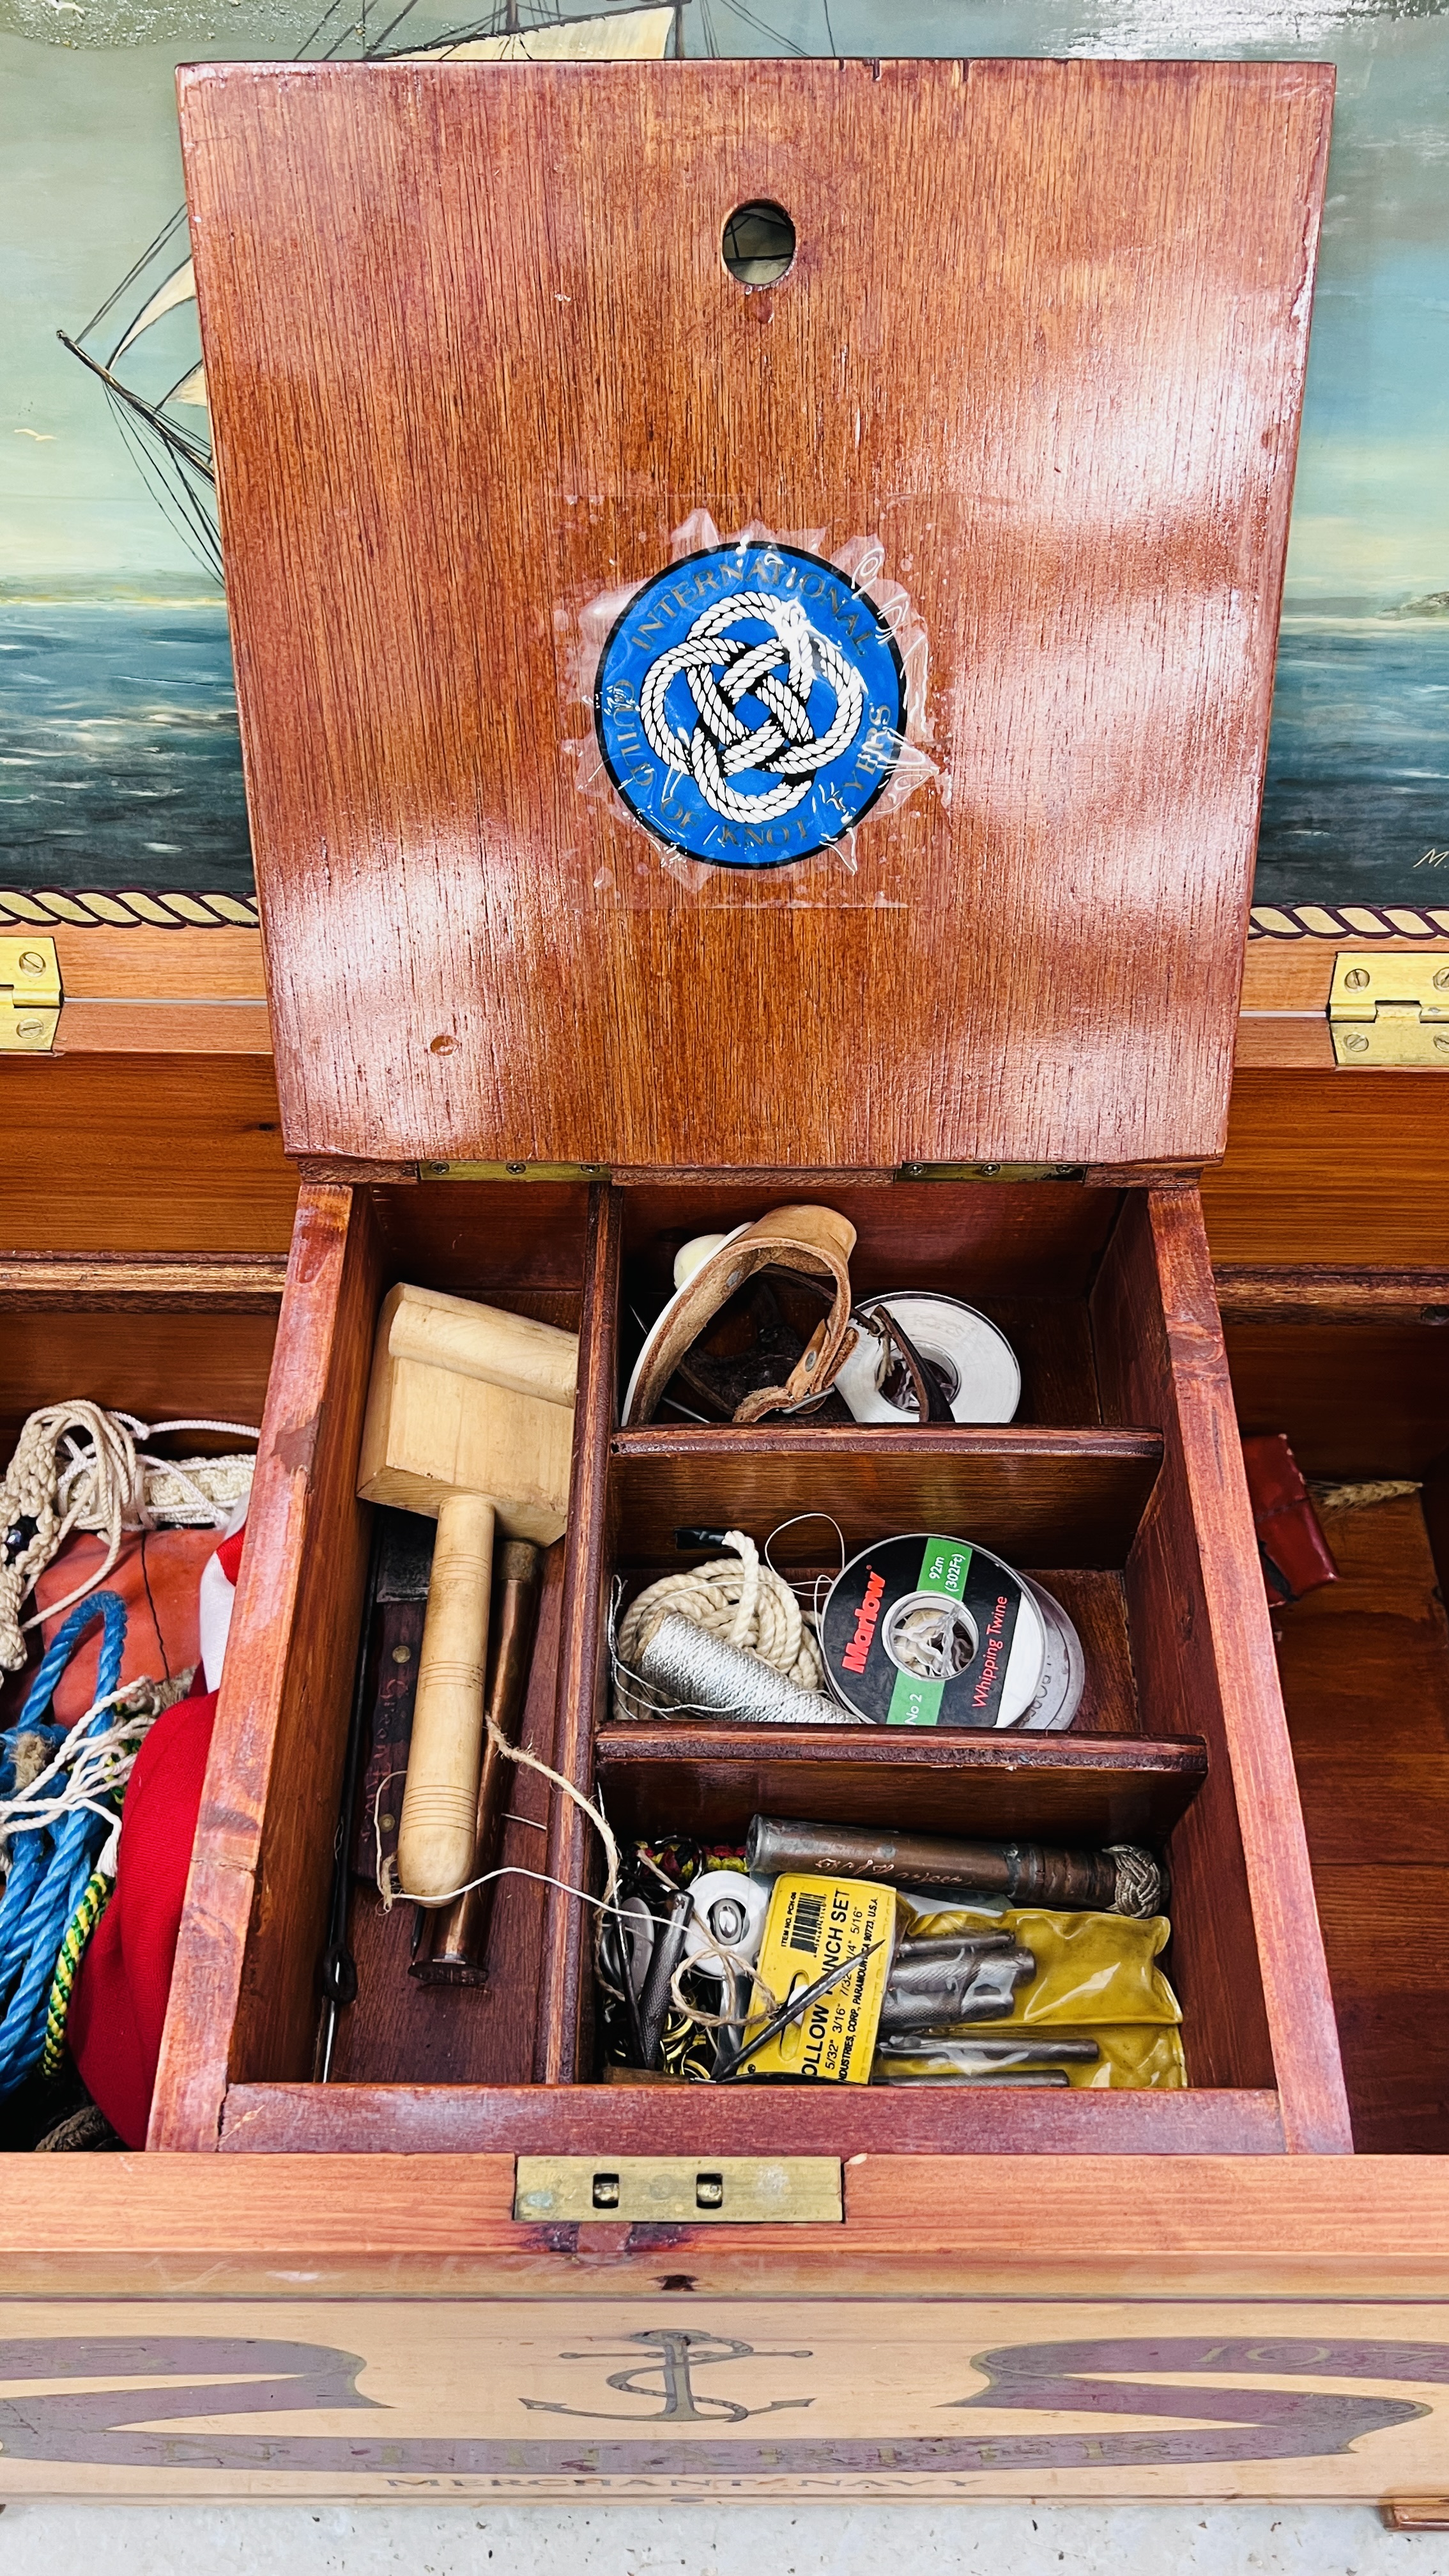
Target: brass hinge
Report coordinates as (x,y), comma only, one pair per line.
(1390,1010)
(513,1171)
(30,995)
(749,2190)
(992,1171)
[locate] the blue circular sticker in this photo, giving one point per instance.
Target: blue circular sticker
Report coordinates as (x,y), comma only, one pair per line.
(750,705)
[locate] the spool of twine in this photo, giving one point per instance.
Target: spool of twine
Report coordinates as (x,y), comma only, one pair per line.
(738,1600)
(699,1675)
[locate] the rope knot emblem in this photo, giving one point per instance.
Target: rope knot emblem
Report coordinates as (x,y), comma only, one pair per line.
(750,704)
(722,670)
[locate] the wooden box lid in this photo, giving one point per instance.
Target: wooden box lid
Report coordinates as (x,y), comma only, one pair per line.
(474,356)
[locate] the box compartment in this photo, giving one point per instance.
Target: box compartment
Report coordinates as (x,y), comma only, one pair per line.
(157,1336)
(1354,1367)
(1136,1513)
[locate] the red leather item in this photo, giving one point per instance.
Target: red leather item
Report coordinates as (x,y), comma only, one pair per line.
(158,1576)
(1291,1544)
(119,2003)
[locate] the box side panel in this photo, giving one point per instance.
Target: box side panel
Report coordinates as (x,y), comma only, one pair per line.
(251,1931)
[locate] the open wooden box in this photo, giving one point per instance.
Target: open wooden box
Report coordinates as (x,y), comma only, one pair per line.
(1033,962)
(1120,1479)
(474,358)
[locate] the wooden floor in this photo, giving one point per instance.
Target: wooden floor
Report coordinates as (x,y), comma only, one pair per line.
(1365,1667)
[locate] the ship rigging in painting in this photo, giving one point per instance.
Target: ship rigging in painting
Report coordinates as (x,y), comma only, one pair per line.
(143,345)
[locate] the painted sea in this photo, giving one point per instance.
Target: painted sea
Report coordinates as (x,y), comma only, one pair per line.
(119,760)
(119,763)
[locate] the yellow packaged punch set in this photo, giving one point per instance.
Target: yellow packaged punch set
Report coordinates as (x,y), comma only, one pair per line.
(815,1924)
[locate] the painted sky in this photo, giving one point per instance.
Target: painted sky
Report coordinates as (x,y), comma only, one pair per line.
(89,171)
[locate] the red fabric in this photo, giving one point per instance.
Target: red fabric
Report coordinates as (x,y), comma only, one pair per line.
(158,1576)
(229,1554)
(119,2003)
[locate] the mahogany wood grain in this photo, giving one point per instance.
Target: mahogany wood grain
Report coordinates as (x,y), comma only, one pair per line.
(146,1154)
(1072,1497)
(38,1283)
(1096,1604)
(383,2225)
(136,962)
(471,958)
(1365,1668)
(103,961)
(1356,1399)
(1248,1952)
(564,1993)
(131,1028)
(1282,1042)
(974,1240)
(244,1984)
(1316,1294)
(160,1365)
(742,2120)
(1337,1168)
(693,1779)
(1296,975)
(471,1237)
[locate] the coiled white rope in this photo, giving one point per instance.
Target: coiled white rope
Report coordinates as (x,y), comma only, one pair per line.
(737,1598)
(77,1466)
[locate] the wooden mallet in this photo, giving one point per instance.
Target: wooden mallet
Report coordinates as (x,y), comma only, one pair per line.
(469,1421)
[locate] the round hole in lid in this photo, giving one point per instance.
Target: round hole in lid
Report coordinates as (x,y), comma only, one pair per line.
(758,243)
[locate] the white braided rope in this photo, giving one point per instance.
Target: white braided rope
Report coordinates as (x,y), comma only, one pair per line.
(88,1768)
(722,744)
(76,1467)
(734,1597)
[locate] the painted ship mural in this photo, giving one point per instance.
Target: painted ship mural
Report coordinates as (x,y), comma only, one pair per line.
(169,432)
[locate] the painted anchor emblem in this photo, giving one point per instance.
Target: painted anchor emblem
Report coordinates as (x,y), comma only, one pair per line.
(668,2358)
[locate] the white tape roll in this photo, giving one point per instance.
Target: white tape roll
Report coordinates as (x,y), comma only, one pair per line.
(975,1362)
(730,1909)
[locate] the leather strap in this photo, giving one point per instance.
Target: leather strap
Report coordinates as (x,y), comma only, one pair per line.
(930,1395)
(813,1239)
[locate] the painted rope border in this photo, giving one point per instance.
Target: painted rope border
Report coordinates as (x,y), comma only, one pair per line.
(172,910)
(41,907)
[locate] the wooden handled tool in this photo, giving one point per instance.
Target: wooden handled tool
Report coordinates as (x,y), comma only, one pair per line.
(454,1946)
(469,1421)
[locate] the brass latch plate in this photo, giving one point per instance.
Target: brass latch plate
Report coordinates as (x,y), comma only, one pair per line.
(747,2191)
(30,995)
(513,1171)
(1390,1009)
(992,1171)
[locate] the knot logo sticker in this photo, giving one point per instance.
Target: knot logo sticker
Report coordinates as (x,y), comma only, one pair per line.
(751,704)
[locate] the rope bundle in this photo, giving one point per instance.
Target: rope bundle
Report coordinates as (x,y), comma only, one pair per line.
(60,1800)
(77,1467)
(736,1598)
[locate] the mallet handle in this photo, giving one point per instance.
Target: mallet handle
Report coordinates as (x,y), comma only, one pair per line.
(440,1803)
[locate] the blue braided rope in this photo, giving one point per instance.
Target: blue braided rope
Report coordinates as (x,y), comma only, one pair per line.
(51,1867)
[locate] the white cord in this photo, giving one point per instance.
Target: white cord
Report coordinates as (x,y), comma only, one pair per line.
(736,1598)
(392,1895)
(77,1467)
(97,1764)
